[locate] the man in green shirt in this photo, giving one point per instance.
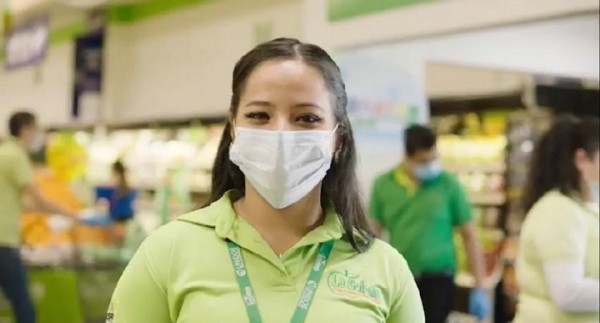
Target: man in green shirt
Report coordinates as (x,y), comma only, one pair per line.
(16,180)
(419,205)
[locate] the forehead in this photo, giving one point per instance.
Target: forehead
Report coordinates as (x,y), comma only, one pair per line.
(425,155)
(280,79)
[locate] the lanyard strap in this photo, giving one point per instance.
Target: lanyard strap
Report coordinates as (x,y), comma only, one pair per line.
(308,293)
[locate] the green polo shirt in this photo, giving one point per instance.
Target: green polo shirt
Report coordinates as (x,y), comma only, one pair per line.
(183,273)
(15,174)
(420,218)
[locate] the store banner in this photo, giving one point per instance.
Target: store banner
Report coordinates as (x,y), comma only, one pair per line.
(87,89)
(26,44)
(345,9)
(385,94)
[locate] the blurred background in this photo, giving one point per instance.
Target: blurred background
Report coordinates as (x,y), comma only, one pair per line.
(148,82)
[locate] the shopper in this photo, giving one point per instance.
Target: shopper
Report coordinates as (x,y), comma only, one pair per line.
(557,264)
(284,238)
(119,199)
(16,179)
(419,205)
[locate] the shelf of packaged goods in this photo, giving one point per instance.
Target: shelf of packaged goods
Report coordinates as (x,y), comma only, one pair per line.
(487,198)
(480,167)
(151,188)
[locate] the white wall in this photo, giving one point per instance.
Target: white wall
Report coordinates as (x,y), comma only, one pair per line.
(564,47)
(446,80)
(432,18)
(44,90)
(180,64)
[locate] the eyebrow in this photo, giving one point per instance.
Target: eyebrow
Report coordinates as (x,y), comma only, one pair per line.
(267,104)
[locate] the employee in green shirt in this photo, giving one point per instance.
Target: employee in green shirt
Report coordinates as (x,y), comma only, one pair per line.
(559,246)
(16,180)
(419,205)
(284,237)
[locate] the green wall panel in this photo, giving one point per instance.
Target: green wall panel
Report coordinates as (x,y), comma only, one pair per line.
(344,9)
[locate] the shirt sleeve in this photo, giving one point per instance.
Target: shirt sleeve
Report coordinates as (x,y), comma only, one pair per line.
(22,171)
(561,230)
(459,203)
(569,288)
(141,294)
(374,203)
(406,306)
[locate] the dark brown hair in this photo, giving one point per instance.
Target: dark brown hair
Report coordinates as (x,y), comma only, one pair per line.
(20,120)
(418,138)
(122,186)
(340,185)
(552,165)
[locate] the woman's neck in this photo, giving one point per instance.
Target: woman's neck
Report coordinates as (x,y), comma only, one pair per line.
(281,228)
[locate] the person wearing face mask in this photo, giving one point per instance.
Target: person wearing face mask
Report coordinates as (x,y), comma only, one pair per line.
(16,180)
(283,237)
(419,205)
(558,258)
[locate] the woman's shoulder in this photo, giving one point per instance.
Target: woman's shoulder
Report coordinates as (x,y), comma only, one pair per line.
(555,201)
(554,209)
(386,259)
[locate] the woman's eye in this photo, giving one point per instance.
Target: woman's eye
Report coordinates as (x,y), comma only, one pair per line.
(309,118)
(257,116)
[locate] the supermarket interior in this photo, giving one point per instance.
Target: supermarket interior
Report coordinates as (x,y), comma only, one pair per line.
(147,83)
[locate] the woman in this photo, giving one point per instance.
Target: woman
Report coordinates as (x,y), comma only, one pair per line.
(284,237)
(558,262)
(118,199)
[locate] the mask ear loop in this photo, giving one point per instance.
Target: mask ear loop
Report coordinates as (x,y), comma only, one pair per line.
(336,154)
(337,125)
(232,132)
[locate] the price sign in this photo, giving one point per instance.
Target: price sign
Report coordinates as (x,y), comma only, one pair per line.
(26,44)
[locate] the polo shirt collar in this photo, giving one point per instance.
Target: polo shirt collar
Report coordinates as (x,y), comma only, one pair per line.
(221,216)
(402,178)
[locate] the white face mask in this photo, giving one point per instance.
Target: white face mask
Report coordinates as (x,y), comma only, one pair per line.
(283,166)
(37,143)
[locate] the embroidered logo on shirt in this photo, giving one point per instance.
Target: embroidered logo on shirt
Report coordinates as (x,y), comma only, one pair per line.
(347,284)
(111,314)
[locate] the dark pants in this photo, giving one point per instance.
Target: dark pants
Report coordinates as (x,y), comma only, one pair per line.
(437,294)
(13,283)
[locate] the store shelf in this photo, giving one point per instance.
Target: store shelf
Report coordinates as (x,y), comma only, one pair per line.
(467,167)
(491,199)
(466,280)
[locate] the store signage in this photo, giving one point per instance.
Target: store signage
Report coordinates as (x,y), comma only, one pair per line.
(345,9)
(26,44)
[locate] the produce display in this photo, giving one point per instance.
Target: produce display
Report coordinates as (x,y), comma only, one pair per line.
(42,243)
(473,147)
(66,156)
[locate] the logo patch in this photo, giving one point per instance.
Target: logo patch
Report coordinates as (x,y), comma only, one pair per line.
(110,316)
(348,284)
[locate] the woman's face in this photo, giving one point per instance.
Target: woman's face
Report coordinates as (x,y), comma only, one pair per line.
(285,95)
(588,167)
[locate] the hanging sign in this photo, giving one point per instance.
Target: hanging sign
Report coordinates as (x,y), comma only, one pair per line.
(26,44)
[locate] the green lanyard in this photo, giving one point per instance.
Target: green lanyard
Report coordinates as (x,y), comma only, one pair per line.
(308,293)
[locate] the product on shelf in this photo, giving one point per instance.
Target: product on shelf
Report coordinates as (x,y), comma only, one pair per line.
(66,156)
(42,245)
